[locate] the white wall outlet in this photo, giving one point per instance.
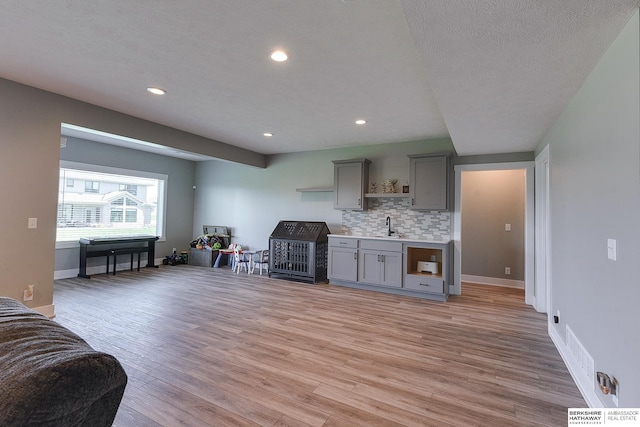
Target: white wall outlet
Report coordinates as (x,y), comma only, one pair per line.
(612,249)
(507,227)
(507,271)
(32,223)
(28,294)
(433,258)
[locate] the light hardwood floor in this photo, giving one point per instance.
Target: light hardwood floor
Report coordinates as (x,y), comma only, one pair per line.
(206,347)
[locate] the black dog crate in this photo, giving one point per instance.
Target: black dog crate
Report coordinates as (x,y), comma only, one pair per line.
(298,250)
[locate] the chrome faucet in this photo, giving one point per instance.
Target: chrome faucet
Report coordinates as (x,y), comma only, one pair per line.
(389,224)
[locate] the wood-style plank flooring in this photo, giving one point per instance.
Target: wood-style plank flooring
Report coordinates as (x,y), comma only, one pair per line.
(207,347)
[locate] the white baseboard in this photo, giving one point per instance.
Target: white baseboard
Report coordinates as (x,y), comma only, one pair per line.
(47,310)
(586,388)
(99,269)
(494,281)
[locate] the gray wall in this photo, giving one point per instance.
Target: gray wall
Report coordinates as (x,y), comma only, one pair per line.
(595,195)
(491,199)
(251,201)
(179,203)
(29,154)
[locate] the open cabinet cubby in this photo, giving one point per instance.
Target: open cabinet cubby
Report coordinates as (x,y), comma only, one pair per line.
(423,254)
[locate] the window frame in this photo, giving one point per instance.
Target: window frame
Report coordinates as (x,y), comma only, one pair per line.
(93,188)
(163,179)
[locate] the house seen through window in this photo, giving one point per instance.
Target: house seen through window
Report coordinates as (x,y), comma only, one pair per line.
(97,203)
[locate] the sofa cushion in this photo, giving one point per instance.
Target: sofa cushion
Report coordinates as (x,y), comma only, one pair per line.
(49,376)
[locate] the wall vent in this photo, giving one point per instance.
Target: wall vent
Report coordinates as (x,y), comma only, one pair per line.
(581,357)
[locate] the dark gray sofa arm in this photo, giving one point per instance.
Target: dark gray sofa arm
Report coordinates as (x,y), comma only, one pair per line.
(49,376)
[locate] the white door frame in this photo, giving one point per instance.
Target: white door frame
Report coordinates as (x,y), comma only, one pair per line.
(543,236)
(529,228)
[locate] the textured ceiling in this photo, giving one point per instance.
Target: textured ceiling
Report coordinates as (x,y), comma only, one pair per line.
(492,74)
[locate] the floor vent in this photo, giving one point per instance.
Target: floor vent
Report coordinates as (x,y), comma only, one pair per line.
(582,358)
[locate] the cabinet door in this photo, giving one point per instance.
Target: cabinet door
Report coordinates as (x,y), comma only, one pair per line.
(428,182)
(380,268)
(343,263)
(369,270)
(350,179)
(391,265)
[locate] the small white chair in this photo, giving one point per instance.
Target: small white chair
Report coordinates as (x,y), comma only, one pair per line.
(261,260)
(239,261)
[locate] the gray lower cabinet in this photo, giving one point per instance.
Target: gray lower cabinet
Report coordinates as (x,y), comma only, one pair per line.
(343,259)
(380,263)
(416,279)
(391,266)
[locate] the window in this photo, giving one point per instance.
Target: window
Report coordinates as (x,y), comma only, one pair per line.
(131,215)
(92,186)
(116,215)
(70,182)
(99,209)
(133,189)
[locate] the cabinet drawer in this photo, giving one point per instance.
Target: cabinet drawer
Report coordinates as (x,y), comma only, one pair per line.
(343,243)
(381,245)
(424,283)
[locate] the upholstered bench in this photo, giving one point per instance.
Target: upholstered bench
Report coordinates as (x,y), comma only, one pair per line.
(49,376)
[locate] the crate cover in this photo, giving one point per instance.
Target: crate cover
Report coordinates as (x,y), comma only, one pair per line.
(314,231)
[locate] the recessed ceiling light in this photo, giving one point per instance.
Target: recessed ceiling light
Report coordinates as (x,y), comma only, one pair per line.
(360,122)
(267,134)
(156,90)
(279,55)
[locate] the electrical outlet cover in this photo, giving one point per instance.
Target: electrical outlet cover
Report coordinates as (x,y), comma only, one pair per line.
(28,295)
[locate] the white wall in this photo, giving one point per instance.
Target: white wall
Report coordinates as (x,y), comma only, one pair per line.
(595,196)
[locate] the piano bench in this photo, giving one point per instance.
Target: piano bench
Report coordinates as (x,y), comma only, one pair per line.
(125,251)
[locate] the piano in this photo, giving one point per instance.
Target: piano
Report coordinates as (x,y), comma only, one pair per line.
(104,246)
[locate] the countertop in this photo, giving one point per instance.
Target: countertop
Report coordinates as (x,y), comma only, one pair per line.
(392,239)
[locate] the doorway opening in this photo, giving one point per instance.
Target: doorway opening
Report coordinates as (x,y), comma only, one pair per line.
(528,275)
(492,230)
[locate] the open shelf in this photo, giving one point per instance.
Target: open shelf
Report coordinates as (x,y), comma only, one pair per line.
(415,254)
(421,274)
(315,190)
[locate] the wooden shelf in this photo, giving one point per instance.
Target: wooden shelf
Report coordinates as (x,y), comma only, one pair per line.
(315,190)
(387,195)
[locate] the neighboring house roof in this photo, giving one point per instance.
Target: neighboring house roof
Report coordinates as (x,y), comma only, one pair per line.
(114,195)
(97,199)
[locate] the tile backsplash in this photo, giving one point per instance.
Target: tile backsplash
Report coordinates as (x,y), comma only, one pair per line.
(430,225)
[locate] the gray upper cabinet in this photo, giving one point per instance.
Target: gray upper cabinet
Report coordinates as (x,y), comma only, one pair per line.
(428,182)
(350,180)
